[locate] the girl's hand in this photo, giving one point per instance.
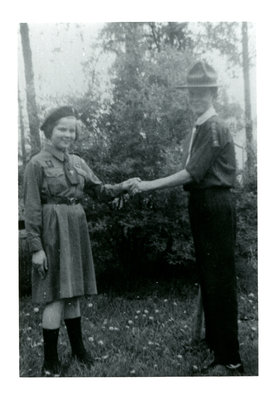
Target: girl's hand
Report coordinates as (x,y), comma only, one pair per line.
(143,186)
(126,185)
(39,262)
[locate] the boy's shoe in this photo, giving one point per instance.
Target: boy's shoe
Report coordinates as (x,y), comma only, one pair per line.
(235,367)
(218,369)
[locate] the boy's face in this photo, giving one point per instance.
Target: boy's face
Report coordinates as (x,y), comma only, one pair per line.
(200,99)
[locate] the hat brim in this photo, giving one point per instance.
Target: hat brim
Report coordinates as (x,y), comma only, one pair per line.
(211,85)
(197,86)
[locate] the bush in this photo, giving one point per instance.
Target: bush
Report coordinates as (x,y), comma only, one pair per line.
(25,266)
(247,250)
(141,236)
(148,236)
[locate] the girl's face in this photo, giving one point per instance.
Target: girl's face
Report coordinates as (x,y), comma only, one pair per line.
(200,99)
(64,133)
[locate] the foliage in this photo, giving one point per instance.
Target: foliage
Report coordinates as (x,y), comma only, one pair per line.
(246,222)
(247,241)
(25,265)
(142,129)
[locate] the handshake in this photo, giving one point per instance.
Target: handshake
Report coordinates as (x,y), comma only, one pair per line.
(134,185)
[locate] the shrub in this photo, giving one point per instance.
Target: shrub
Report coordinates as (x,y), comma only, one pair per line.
(247,250)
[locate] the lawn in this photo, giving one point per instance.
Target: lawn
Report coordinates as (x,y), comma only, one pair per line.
(144,333)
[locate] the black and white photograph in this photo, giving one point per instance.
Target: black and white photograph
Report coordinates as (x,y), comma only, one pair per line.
(137,199)
(137,157)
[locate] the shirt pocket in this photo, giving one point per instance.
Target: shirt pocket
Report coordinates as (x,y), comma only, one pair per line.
(55,179)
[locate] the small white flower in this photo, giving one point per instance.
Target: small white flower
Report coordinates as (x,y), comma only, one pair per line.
(151,318)
(133,371)
(27,314)
(156,311)
(150,343)
(36,309)
(136,317)
(105,357)
(165,300)
(146,311)
(89,305)
(179,356)
(143,135)
(116,329)
(130,322)
(138,312)
(195,367)
(100,342)
(144,315)
(91,339)
(111,328)
(174,303)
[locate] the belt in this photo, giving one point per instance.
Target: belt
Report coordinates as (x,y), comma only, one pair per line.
(70,201)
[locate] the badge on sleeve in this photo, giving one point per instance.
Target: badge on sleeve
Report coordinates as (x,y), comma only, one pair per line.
(215,136)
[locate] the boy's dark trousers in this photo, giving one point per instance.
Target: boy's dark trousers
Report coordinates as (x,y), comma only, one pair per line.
(213,223)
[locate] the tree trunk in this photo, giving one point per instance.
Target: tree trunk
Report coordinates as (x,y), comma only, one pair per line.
(30,88)
(22,130)
(247,100)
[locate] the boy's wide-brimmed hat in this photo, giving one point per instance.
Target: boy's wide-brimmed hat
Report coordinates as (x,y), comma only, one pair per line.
(58,113)
(201,75)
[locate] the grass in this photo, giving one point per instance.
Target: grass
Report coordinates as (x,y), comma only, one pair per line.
(140,334)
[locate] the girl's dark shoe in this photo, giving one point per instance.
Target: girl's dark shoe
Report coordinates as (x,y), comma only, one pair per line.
(53,370)
(84,357)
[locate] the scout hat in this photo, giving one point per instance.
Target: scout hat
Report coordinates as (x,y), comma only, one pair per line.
(58,113)
(200,75)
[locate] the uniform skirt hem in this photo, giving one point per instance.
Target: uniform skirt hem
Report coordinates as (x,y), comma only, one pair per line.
(45,301)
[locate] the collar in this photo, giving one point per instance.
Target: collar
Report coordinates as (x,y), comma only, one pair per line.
(56,153)
(205,116)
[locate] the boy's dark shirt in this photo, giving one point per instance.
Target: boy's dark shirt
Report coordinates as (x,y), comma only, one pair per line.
(212,161)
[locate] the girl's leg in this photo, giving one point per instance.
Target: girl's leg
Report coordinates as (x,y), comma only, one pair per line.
(72,308)
(52,315)
(72,321)
(51,319)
